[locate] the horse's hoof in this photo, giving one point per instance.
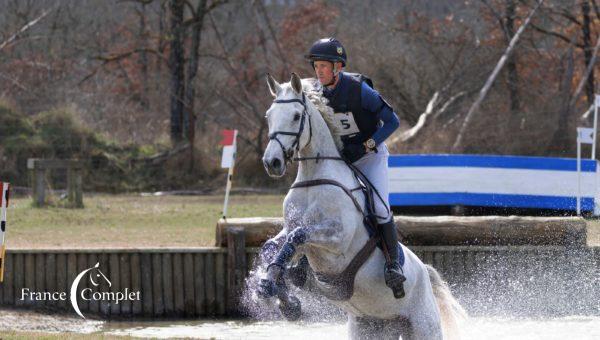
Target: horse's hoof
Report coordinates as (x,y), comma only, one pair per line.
(266,289)
(291,309)
(298,273)
(398,292)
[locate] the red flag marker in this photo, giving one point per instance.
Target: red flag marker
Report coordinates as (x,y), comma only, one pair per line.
(228,137)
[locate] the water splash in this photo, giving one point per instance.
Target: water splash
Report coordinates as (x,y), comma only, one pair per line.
(314,308)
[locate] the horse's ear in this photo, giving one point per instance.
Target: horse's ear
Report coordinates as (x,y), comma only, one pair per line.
(274,86)
(296,83)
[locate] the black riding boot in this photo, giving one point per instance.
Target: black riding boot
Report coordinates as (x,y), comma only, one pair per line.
(394,277)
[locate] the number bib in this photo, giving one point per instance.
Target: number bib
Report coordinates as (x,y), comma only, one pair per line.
(345,123)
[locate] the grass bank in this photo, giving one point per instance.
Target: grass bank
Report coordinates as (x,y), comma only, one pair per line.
(130,221)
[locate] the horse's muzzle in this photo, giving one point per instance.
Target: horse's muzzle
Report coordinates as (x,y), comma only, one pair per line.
(275,166)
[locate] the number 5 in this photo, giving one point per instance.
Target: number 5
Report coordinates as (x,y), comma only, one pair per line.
(345,123)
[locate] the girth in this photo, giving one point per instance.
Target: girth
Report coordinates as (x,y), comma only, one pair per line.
(340,287)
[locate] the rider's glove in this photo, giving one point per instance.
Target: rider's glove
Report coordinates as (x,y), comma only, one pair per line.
(354,152)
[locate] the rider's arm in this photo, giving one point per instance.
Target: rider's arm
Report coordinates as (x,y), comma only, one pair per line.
(372,101)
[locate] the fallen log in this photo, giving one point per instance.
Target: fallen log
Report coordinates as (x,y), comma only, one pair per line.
(443,230)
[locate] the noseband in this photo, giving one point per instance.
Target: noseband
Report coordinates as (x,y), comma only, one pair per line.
(288,153)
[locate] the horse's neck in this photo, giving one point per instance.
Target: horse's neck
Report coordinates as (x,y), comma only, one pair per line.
(322,144)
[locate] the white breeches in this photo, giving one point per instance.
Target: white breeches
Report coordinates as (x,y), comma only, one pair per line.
(375,167)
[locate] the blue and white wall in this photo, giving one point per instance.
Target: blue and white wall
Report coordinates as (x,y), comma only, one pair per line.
(492,181)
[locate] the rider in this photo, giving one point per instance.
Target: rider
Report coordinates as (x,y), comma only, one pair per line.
(365,120)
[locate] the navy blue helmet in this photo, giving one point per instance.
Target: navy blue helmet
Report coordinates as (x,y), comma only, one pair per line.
(329,49)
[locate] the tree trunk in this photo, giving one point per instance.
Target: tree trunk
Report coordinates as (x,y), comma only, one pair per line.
(143,58)
(176,64)
(161,39)
(587,50)
(192,71)
(511,68)
(559,145)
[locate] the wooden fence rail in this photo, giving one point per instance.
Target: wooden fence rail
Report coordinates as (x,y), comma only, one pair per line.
(204,282)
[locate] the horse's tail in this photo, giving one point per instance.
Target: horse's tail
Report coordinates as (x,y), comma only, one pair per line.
(451,312)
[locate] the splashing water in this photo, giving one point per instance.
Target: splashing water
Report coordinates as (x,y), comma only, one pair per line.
(314,308)
(580,328)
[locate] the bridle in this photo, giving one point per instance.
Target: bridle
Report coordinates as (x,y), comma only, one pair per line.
(288,153)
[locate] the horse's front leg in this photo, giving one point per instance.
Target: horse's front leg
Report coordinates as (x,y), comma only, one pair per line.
(326,234)
(269,249)
(274,284)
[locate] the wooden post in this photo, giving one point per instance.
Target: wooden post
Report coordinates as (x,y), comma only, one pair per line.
(157,291)
(40,187)
(70,187)
(188,285)
(178,285)
(209,284)
(39,167)
(147,280)
(167,277)
(199,290)
(236,268)
(74,184)
(136,284)
(78,181)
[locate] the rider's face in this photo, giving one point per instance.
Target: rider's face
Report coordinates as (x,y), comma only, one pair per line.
(324,71)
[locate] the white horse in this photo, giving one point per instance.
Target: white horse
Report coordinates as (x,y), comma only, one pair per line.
(322,223)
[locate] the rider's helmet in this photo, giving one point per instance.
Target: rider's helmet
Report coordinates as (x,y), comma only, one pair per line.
(329,49)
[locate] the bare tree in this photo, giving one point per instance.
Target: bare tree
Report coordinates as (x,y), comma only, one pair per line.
(176,67)
(492,78)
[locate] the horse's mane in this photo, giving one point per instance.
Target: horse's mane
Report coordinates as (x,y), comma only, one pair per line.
(314,93)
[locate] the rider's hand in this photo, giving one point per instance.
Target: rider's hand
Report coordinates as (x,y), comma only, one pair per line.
(353,152)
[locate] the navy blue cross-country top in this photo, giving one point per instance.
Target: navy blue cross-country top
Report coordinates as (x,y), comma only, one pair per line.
(363,116)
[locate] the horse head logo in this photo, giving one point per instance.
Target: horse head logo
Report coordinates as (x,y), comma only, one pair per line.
(96,275)
(99,274)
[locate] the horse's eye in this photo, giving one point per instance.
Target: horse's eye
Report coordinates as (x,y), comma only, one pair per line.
(296,117)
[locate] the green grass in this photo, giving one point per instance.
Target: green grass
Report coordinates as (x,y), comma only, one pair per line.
(130,221)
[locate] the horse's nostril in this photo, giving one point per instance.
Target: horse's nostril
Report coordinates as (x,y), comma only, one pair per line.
(276,163)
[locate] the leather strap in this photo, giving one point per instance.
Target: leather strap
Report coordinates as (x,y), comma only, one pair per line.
(323,181)
(340,287)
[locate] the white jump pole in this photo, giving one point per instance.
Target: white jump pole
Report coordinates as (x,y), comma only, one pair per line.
(584,136)
(596,104)
(230,176)
(578,173)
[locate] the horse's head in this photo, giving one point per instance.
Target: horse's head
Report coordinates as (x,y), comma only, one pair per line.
(289,124)
(96,275)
